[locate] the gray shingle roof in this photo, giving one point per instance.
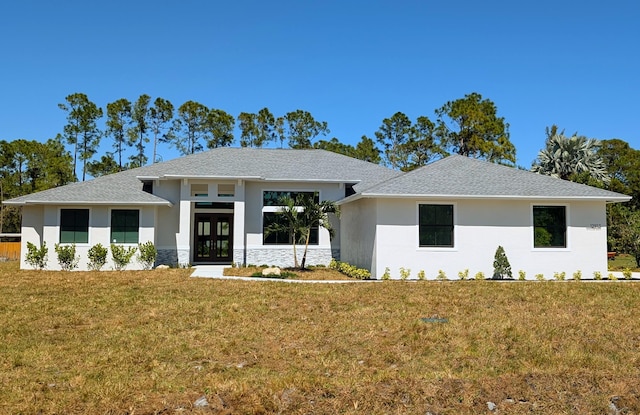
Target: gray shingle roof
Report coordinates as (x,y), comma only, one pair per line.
(463,177)
(249,163)
(274,165)
(119,188)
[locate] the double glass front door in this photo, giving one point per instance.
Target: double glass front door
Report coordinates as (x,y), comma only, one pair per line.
(213,236)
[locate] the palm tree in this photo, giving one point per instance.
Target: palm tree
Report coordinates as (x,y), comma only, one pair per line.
(298,218)
(568,157)
(315,214)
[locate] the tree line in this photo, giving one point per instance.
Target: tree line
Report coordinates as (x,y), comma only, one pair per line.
(468,126)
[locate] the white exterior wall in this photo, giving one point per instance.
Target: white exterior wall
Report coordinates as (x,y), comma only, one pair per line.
(358,229)
(479,227)
(282,255)
(42,223)
(31,230)
(168,217)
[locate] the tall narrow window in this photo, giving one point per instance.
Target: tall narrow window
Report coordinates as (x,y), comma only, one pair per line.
(124,226)
(74,226)
(549,227)
(435,225)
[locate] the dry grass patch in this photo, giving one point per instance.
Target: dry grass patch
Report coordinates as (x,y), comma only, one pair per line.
(314,273)
(149,342)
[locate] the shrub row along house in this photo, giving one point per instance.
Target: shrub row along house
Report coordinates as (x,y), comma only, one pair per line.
(214,207)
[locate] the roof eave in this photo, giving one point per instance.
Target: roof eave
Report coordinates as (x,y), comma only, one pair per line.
(608,199)
(354,181)
(259,178)
(199,177)
(87,202)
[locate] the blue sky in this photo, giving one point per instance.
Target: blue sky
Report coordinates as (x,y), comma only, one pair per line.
(350,63)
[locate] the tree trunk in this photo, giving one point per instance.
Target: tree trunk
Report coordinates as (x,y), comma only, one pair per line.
(295,257)
(306,247)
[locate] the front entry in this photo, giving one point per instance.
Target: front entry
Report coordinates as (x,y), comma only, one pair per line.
(213,237)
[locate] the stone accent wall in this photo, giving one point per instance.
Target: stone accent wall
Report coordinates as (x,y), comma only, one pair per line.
(167,257)
(283,257)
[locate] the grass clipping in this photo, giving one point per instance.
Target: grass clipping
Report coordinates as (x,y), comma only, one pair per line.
(157,341)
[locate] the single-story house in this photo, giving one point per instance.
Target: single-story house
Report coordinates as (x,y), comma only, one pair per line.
(213,208)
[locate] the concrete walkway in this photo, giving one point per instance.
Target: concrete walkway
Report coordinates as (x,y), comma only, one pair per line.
(208,271)
(216,272)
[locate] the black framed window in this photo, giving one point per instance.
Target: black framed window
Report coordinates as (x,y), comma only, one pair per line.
(274,197)
(125,226)
(435,225)
(74,226)
(549,227)
(283,238)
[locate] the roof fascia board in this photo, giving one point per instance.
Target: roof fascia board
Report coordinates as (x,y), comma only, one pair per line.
(84,202)
(312,180)
(479,197)
(191,176)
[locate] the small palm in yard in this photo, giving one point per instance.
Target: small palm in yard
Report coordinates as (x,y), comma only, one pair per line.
(298,218)
(316,214)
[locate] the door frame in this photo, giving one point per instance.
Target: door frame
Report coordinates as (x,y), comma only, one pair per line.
(214,218)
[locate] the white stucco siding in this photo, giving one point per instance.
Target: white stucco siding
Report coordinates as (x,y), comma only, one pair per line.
(258,253)
(42,223)
(358,229)
(479,228)
(31,230)
(168,217)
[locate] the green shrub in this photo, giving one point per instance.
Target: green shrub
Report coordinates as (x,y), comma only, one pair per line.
(479,276)
(522,275)
(597,275)
(577,275)
(67,256)
(334,264)
(147,254)
(442,276)
(97,257)
(559,276)
(421,275)
(501,266)
(350,270)
(122,256)
(540,277)
(627,273)
(37,257)
(612,277)
(404,273)
(463,275)
(387,274)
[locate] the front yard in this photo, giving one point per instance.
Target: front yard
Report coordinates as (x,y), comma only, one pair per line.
(151,342)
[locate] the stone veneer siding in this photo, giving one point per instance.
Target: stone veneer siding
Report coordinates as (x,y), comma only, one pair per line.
(283,257)
(167,257)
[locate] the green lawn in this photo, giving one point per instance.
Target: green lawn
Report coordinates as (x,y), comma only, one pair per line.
(622,261)
(153,342)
